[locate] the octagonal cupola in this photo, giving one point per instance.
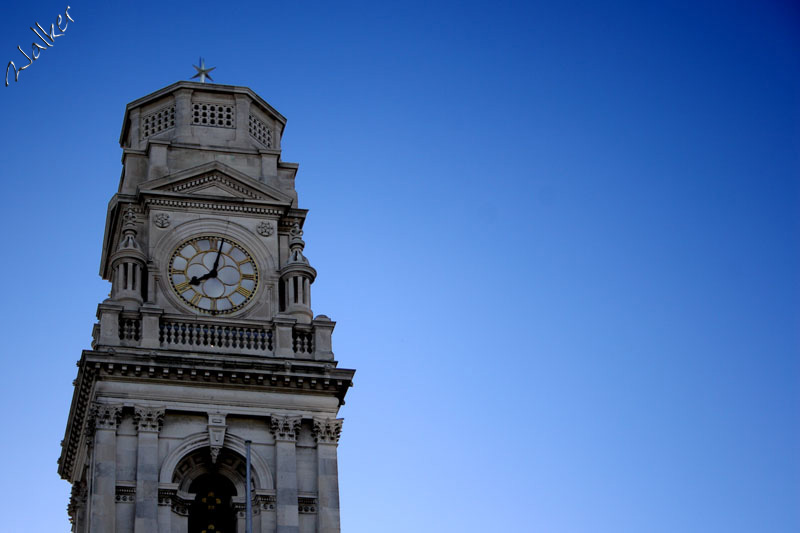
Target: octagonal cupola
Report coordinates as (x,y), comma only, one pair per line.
(189,124)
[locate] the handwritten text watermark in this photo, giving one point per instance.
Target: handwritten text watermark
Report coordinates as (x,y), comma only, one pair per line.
(37,48)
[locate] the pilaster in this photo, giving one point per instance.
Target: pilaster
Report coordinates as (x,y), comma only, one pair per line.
(157,159)
(285,430)
(148,424)
(269,164)
(242,118)
(104,418)
(326,433)
(183,115)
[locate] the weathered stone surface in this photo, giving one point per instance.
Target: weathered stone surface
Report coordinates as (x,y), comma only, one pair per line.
(171,390)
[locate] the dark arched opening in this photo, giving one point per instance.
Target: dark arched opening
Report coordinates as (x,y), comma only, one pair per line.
(212,510)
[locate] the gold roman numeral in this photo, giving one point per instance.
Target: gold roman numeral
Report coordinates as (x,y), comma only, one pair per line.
(243,261)
(196,298)
(244,292)
(176,271)
(249,276)
(183,287)
(212,241)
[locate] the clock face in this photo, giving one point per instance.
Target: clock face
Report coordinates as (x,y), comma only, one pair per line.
(213,274)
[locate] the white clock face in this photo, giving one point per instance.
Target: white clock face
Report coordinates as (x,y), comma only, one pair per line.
(213,274)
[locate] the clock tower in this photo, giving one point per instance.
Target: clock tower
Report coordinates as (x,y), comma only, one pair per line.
(206,355)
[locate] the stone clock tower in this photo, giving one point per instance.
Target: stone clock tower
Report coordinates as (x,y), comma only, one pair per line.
(206,348)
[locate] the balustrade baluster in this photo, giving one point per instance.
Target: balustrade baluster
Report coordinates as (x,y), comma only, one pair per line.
(216,337)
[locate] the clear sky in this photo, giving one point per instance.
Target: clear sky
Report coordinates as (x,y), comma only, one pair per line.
(560,240)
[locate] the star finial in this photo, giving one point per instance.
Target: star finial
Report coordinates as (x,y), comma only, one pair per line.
(202,71)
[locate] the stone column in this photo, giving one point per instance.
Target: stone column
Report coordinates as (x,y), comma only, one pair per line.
(148,423)
(285,430)
(105,418)
(326,433)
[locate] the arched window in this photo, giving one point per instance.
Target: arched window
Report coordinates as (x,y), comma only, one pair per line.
(212,510)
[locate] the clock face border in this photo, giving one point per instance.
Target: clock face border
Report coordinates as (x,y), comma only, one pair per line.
(239,297)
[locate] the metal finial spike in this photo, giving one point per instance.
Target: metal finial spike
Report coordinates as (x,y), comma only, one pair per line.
(202,71)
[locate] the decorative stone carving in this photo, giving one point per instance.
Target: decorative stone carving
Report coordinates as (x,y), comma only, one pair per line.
(77,499)
(285,427)
(266,502)
(128,239)
(216,434)
(105,416)
(129,218)
(148,418)
(265,228)
(169,497)
(306,505)
(327,430)
(125,494)
(161,220)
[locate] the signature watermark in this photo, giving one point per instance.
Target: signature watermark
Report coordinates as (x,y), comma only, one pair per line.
(37,48)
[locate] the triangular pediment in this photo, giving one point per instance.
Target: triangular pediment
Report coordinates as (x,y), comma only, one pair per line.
(216,190)
(216,180)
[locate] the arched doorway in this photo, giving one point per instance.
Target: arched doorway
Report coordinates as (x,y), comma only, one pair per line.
(212,510)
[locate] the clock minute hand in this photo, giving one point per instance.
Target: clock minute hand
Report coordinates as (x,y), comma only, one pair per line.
(216,261)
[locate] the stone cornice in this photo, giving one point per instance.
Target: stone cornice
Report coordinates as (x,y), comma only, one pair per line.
(234,205)
(238,372)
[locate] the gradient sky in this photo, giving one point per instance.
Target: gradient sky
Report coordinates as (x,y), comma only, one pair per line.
(560,240)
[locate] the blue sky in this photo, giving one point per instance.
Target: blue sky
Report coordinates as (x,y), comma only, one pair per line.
(560,240)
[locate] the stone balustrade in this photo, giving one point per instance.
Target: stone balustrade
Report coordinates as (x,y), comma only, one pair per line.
(150,328)
(213,336)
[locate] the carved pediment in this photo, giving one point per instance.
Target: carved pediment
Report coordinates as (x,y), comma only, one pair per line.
(216,180)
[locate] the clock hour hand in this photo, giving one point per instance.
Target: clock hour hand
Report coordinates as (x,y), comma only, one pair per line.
(213,274)
(196,281)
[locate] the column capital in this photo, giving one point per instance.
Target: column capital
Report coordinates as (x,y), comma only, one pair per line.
(285,427)
(327,430)
(104,415)
(148,419)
